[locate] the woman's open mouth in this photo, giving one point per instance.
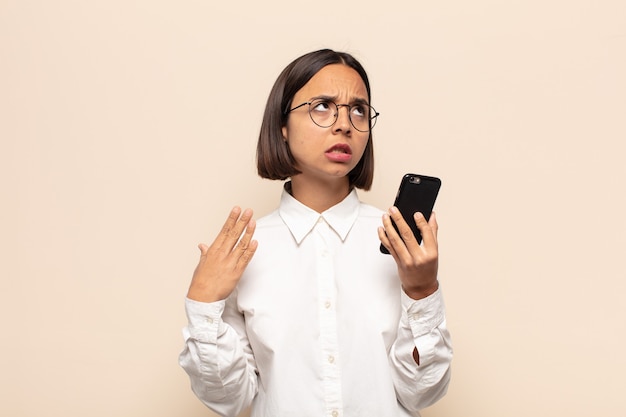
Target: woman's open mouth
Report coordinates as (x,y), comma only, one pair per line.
(340,152)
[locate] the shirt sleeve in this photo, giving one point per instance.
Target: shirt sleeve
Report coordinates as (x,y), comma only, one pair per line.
(218,358)
(422,326)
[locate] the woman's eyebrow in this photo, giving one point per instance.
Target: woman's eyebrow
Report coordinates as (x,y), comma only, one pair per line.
(323,97)
(359,100)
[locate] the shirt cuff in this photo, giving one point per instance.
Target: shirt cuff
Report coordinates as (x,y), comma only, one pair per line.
(424,315)
(204,319)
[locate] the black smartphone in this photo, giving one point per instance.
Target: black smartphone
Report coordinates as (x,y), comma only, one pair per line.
(416,193)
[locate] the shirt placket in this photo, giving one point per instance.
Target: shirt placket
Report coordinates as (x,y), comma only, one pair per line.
(331,374)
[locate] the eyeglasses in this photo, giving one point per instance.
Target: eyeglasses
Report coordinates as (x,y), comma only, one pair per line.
(324,113)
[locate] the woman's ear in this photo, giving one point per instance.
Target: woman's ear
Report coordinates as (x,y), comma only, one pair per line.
(284,130)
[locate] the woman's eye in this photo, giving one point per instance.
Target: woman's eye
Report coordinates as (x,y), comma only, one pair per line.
(359,110)
(321,106)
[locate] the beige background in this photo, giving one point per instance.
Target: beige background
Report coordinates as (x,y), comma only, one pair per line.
(128,130)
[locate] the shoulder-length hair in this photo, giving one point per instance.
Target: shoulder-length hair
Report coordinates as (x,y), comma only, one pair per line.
(274,159)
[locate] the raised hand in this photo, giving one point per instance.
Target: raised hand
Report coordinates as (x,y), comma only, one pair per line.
(417,264)
(222,264)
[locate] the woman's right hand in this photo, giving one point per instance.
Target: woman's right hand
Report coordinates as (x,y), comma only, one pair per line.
(222,264)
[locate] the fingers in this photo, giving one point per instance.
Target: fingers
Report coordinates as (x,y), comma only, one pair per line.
(427,229)
(382,235)
(232,229)
(247,252)
(417,264)
(227,227)
(402,240)
(246,246)
(222,264)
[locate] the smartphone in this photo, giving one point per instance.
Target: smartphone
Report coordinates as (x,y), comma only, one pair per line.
(416,193)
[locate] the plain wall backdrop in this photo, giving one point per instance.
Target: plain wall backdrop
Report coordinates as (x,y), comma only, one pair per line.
(128,130)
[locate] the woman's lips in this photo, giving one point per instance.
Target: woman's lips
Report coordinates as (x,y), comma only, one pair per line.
(340,152)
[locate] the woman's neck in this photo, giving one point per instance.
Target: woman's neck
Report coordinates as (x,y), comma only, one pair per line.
(319,195)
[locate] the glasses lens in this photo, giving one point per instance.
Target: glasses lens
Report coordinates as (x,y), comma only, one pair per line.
(360,115)
(323,112)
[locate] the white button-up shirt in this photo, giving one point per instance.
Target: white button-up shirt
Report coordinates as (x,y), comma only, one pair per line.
(318,325)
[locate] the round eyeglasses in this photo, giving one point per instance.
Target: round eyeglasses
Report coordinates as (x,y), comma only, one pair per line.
(324,113)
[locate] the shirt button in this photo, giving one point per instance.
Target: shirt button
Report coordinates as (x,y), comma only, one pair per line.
(209,320)
(331,359)
(327,304)
(335,413)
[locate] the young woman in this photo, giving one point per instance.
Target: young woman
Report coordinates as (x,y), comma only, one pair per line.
(309,318)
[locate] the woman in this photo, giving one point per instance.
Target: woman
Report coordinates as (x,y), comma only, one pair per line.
(309,318)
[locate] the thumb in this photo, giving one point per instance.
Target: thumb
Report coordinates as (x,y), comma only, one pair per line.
(203,249)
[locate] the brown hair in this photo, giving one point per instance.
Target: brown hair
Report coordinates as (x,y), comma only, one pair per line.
(274,159)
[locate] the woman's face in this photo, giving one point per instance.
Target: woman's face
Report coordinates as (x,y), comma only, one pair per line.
(331,152)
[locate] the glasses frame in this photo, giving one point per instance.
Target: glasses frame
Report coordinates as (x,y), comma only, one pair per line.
(372,120)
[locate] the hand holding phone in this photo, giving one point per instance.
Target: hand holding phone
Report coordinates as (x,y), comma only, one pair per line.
(417,193)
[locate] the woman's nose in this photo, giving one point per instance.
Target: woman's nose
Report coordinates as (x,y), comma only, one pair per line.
(343,119)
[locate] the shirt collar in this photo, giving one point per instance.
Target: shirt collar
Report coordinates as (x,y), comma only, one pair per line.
(300,219)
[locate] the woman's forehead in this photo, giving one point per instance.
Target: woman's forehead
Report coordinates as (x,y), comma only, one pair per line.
(335,80)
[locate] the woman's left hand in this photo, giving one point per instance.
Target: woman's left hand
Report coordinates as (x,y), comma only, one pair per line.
(417,264)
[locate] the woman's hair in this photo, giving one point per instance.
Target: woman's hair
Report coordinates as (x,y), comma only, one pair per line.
(274,159)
